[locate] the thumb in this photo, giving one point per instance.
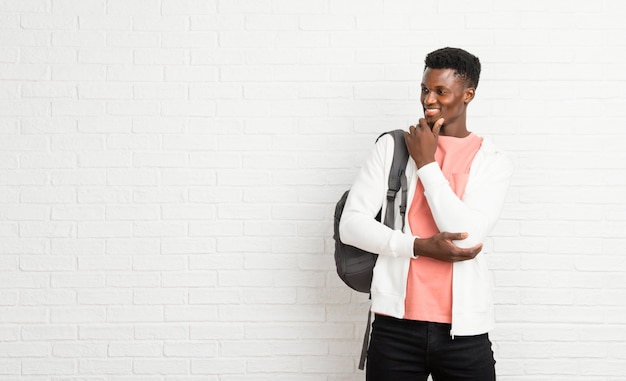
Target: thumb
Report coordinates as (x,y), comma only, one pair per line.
(437,126)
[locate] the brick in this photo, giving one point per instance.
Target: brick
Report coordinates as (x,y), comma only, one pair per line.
(137,246)
(103,229)
(157,125)
(79,39)
(162,195)
(56,161)
(139,177)
(47,21)
(104,125)
(108,263)
(156,331)
(49,332)
(149,22)
(76,143)
(193,39)
(106,332)
(244,6)
(188,108)
(189,177)
(93,297)
(48,367)
(189,279)
(219,261)
(217,21)
(76,247)
(189,7)
(133,279)
(66,315)
(78,6)
(9,21)
(52,264)
(191,349)
(24,212)
(19,6)
(208,56)
(78,108)
(108,366)
(78,349)
(105,56)
(132,73)
(158,229)
(25,38)
(136,314)
(221,366)
(132,349)
(104,22)
(160,263)
(132,212)
(133,108)
(47,195)
(218,297)
(159,297)
(137,7)
(53,55)
(113,195)
(21,108)
(77,213)
(159,91)
(214,91)
(82,280)
(191,74)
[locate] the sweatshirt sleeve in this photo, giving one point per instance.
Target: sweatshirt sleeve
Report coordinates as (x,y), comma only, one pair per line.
(480,208)
(358,226)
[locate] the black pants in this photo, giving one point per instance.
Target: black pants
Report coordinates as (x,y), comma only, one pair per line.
(406,350)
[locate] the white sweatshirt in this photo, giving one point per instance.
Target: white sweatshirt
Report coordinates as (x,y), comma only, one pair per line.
(476,214)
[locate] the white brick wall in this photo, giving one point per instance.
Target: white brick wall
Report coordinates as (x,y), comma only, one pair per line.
(169,168)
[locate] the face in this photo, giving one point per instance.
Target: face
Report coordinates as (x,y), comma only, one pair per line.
(445,96)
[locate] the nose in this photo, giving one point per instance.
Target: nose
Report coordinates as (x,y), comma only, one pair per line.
(429,98)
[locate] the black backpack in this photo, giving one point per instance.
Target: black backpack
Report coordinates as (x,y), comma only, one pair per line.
(355,266)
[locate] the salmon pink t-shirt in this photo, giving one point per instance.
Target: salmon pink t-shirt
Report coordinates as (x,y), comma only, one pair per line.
(429,284)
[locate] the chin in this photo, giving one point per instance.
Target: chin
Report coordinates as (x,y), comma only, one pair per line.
(431,120)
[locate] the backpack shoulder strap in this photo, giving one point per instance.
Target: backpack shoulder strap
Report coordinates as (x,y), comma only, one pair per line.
(397,181)
(397,177)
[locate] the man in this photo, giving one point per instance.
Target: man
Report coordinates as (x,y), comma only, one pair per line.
(431,290)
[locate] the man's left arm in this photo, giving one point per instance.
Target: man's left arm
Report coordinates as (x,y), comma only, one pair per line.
(482,203)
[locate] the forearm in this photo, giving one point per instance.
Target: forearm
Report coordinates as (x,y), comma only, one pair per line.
(358,226)
(477,212)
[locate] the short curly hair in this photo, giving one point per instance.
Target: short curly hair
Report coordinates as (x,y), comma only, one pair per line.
(465,65)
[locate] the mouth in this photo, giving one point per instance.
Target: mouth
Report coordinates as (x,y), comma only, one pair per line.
(431,112)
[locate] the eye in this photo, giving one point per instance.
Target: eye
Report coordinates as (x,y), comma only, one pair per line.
(441,92)
(424,90)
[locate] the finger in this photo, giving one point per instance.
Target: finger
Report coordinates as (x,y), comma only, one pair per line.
(437,126)
(455,236)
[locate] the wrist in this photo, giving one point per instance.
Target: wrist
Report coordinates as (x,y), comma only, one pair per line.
(422,163)
(418,247)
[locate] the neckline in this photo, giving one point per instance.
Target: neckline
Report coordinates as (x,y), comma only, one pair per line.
(455,139)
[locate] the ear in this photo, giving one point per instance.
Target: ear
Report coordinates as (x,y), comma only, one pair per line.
(468,94)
